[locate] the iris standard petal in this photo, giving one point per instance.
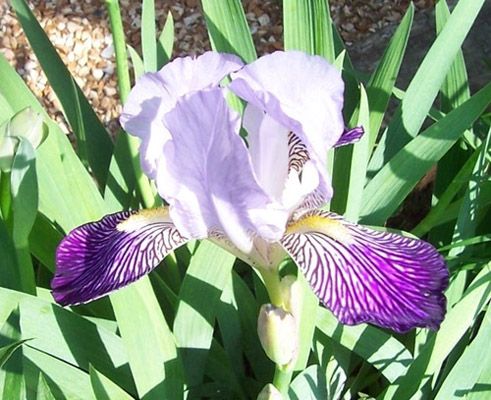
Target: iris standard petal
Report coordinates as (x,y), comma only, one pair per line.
(208,179)
(363,275)
(99,257)
(303,93)
(268,147)
(154,94)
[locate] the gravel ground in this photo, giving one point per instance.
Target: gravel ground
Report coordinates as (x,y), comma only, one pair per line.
(80,32)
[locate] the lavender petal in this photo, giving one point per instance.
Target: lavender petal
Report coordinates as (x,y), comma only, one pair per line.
(208,178)
(156,93)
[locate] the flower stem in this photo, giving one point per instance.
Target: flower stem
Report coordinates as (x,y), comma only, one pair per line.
(119,43)
(124,87)
(282,378)
(282,374)
(272,282)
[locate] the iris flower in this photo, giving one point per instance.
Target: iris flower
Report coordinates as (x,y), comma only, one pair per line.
(260,200)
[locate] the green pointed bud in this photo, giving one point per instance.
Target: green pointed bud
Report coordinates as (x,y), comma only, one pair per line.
(291,292)
(269,392)
(278,334)
(29,125)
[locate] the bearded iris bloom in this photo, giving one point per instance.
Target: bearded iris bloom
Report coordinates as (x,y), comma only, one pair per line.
(259,200)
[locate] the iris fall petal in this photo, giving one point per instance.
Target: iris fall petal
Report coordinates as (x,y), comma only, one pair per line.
(99,257)
(363,275)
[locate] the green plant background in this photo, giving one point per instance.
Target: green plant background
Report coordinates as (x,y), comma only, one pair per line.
(189,329)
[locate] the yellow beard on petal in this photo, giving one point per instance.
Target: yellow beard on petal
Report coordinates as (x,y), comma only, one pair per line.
(316,223)
(144,217)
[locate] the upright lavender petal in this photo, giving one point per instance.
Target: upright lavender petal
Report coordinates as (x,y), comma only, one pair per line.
(156,93)
(363,275)
(99,257)
(208,178)
(303,93)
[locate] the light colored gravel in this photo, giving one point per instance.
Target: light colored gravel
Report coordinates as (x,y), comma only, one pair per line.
(79,30)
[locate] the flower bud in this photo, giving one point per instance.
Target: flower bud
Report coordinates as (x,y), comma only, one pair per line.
(8,146)
(278,333)
(291,292)
(269,392)
(28,124)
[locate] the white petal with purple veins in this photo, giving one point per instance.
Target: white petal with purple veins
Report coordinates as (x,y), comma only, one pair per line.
(363,275)
(99,257)
(303,93)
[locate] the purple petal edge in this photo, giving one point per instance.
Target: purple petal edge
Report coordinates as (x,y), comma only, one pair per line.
(100,257)
(350,136)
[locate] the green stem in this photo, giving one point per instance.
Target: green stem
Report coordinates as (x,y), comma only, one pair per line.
(282,378)
(119,43)
(272,282)
(124,87)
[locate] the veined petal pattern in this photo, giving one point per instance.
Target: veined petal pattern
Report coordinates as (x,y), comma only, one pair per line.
(99,257)
(363,275)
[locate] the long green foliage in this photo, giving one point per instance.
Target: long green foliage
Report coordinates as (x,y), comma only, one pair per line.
(189,330)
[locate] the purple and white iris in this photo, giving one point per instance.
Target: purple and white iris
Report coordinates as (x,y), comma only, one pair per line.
(260,201)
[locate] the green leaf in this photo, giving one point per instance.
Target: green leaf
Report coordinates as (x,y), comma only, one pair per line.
(149,36)
(67,193)
(426,83)
(455,88)
(229,323)
(467,220)
(99,145)
(43,389)
(165,42)
(298,26)
(482,385)
(350,168)
(138,67)
(323,30)
(386,191)
(7,351)
(10,276)
(43,240)
(220,369)
(65,381)
(307,323)
(149,342)
(378,348)
(69,337)
(439,346)
(309,384)
(12,384)
(467,242)
(248,310)
(24,189)
(441,207)
(105,389)
(227,28)
(121,182)
(470,366)
(382,81)
(206,277)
